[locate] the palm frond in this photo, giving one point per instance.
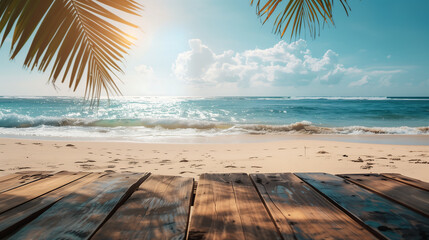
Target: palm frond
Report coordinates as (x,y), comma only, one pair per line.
(74,38)
(298,14)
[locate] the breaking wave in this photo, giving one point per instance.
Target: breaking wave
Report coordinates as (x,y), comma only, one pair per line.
(17,121)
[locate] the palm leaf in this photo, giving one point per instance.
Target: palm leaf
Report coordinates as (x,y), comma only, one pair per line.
(75,38)
(298,14)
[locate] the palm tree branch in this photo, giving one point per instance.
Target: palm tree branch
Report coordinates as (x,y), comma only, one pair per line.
(73,37)
(298,15)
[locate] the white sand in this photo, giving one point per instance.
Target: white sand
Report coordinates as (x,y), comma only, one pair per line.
(194,159)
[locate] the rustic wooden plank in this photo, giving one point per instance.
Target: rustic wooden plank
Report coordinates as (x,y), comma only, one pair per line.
(227,206)
(411,197)
(15,180)
(158,209)
(391,220)
(302,213)
(18,196)
(80,214)
(407,180)
(17,217)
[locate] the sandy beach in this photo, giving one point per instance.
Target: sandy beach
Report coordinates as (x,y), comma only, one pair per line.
(303,155)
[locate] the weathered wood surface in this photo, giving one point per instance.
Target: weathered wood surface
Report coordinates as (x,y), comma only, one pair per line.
(227,206)
(15,180)
(302,213)
(80,214)
(18,216)
(20,195)
(411,197)
(158,209)
(410,181)
(388,218)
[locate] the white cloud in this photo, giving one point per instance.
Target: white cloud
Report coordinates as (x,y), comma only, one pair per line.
(144,70)
(360,82)
(283,64)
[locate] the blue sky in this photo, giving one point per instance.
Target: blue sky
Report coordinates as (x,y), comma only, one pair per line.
(220,47)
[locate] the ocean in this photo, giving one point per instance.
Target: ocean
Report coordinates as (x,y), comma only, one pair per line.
(154,118)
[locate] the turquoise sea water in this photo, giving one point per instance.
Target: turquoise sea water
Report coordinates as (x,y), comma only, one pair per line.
(145,118)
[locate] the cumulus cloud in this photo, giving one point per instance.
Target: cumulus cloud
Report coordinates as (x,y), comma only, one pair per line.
(283,64)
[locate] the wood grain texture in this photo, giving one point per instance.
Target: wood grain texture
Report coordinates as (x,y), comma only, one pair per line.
(80,214)
(18,216)
(15,180)
(410,181)
(302,213)
(411,197)
(391,220)
(227,206)
(158,209)
(20,195)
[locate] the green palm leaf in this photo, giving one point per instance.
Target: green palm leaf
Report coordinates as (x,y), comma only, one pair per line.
(298,14)
(75,38)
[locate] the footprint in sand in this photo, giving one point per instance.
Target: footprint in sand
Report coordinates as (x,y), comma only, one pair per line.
(256,167)
(70,145)
(86,166)
(185,172)
(111,166)
(322,152)
(230,166)
(109,171)
(197,165)
(418,161)
(357,160)
(366,167)
(36,143)
(183,160)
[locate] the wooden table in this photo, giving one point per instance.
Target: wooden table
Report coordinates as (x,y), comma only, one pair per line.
(83,205)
